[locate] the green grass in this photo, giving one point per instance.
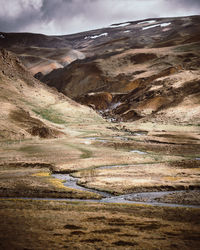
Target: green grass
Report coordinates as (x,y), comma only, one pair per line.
(50,115)
(85,152)
(11,142)
(187,47)
(31,149)
(98,166)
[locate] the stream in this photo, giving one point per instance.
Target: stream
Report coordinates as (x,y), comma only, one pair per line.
(149,198)
(143,198)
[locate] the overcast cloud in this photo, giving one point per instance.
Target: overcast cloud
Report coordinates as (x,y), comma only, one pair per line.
(71,16)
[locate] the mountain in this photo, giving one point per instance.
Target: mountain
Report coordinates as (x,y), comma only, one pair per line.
(70,179)
(40,53)
(137,70)
(29,108)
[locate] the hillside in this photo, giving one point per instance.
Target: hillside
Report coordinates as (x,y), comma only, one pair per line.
(137,70)
(29,108)
(145,70)
(40,53)
(150,69)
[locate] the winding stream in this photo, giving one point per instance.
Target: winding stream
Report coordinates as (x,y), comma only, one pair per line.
(148,197)
(71,182)
(143,198)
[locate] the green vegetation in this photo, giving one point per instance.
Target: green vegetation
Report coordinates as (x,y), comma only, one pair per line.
(187,47)
(85,153)
(11,142)
(50,115)
(30,149)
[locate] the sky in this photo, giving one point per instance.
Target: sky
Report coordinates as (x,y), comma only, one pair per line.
(60,17)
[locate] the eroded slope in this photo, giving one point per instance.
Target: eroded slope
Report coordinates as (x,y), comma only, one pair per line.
(138,70)
(29,108)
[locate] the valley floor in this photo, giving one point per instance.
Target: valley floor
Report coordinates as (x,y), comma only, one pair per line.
(117,159)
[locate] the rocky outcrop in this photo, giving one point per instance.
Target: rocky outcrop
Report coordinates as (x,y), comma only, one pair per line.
(98,101)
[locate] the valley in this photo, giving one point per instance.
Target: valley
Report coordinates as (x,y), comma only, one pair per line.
(101,149)
(59,215)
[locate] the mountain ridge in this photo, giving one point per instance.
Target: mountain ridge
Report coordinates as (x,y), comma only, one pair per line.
(143,80)
(135,70)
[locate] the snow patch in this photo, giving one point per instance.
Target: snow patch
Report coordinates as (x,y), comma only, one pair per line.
(150,27)
(127,31)
(149,22)
(91,94)
(2,36)
(119,25)
(96,36)
(165,24)
(156,25)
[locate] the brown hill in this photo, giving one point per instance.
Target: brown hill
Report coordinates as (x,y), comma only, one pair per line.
(29,108)
(149,67)
(40,53)
(152,71)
